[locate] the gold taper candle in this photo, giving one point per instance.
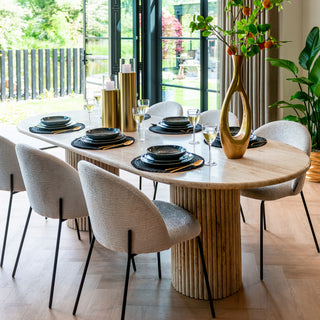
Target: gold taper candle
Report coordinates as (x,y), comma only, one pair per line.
(128,98)
(110,109)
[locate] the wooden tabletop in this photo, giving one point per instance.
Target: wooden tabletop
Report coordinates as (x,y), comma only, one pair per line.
(270,164)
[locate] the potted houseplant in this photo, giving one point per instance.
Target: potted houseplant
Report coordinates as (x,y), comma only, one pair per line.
(246,38)
(305,102)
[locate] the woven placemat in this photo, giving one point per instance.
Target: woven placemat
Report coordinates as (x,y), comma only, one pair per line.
(46,131)
(138,164)
(255,143)
(157,129)
(78,143)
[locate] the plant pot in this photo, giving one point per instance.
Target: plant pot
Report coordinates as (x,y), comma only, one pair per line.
(235,146)
(313,174)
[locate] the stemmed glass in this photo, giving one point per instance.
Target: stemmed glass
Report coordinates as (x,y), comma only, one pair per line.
(144,104)
(194,117)
(209,133)
(89,106)
(138,115)
(97,97)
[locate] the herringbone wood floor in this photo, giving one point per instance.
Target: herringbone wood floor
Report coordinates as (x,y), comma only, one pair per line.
(291,289)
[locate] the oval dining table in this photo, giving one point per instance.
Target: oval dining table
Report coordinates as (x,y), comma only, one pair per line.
(210,193)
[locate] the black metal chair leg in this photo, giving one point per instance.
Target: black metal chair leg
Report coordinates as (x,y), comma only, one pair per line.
(262,214)
(310,222)
(242,215)
(155,188)
(56,254)
(7,228)
(124,302)
(133,264)
(159,264)
(206,277)
(89,229)
(77,227)
(140,182)
(83,276)
(21,243)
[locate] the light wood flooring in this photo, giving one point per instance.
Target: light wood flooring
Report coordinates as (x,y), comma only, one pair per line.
(290,290)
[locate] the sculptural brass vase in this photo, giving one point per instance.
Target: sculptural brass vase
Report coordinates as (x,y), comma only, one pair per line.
(110,108)
(234,147)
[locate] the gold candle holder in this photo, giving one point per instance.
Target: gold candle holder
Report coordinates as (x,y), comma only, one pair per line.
(128,89)
(110,109)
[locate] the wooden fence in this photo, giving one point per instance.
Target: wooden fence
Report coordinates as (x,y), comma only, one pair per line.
(31,72)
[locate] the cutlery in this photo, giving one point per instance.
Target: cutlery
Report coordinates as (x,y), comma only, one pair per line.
(64,130)
(126,143)
(194,164)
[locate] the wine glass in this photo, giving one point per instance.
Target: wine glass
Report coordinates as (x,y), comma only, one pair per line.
(209,133)
(144,104)
(97,97)
(89,106)
(194,117)
(138,115)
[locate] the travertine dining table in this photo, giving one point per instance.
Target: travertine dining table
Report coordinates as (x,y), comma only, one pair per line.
(211,194)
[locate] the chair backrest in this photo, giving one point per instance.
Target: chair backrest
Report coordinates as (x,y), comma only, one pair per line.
(9,165)
(213,117)
(292,133)
(47,179)
(166,108)
(115,206)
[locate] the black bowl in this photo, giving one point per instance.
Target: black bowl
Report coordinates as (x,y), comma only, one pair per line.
(53,121)
(176,121)
(166,152)
(103,133)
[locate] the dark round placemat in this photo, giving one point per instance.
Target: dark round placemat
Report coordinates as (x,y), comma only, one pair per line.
(147,116)
(255,143)
(138,164)
(157,129)
(78,143)
(36,129)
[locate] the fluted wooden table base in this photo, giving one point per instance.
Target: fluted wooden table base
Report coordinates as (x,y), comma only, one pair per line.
(73,159)
(218,212)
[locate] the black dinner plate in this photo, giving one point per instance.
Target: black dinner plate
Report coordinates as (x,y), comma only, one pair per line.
(166,152)
(166,161)
(185,159)
(56,127)
(174,128)
(118,139)
(54,121)
(234,131)
(176,121)
(103,133)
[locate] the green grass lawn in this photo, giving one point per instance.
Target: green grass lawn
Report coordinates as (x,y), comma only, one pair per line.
(12,112)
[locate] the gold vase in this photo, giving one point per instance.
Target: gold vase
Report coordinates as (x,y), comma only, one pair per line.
(110,109)
(128,98)
(313,174)
(235,146)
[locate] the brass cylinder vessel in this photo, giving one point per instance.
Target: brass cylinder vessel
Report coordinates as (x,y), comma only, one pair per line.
(313,174)
(128,98)
(235,146)
(110,109)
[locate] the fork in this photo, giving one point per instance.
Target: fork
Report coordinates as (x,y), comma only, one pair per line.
(64,130)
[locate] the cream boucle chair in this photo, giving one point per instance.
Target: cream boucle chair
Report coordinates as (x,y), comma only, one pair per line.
(125,220)
(10,180)
(295,134)
(54,191)
(213,117)
(163,109)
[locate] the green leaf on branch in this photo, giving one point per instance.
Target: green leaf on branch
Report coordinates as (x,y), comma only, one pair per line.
(250,40)
(302,80)
(253,29)
(282,63)
(302,96)
(200,18)
(284,104)
(243,49)
(209,19)
(311,49)
(206,33)
(291,118)
(255,49)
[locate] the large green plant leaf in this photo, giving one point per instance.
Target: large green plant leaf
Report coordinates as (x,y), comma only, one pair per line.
(311,49)
(286,64)
(285,104)
(302,96)
(302,80)
(314,76)
(291,118)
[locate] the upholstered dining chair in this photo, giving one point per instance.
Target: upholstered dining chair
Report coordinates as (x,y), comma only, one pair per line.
(10,180)
(163,109)
(294,134)
(213,117)
(54,191)
(125,220)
